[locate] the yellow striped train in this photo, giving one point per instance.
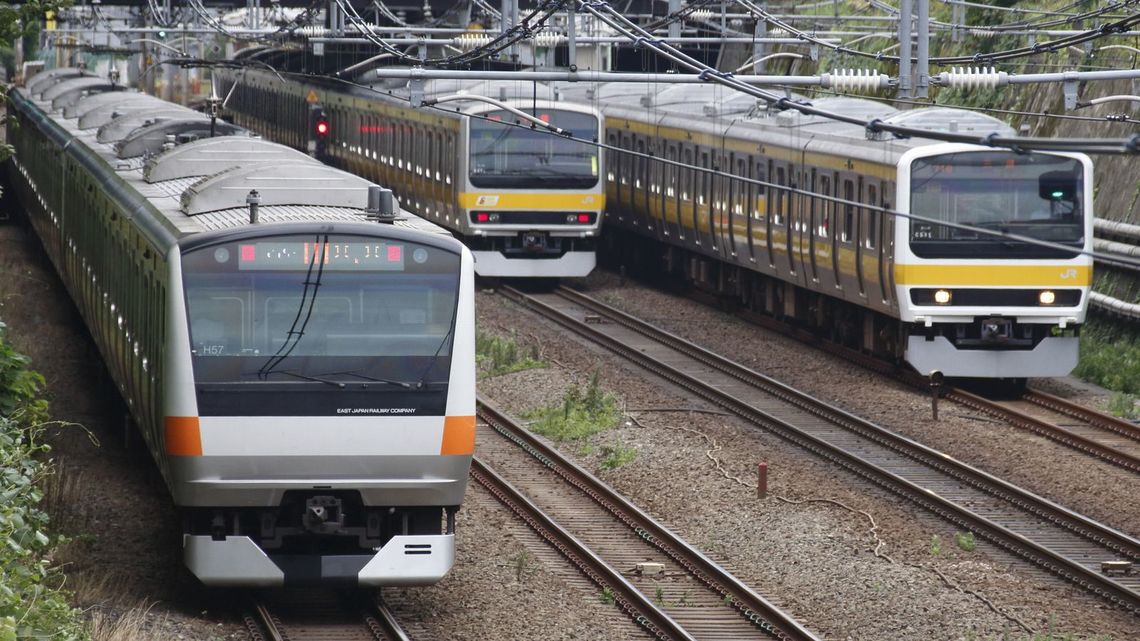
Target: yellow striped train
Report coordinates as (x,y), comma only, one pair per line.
(942,298)
(527,203)
(297,352)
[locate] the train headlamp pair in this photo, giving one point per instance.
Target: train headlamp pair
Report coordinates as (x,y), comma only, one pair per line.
(1044,297)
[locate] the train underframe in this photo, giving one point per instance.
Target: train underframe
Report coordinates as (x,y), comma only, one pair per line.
(319,537)
(984,348)
(532,254)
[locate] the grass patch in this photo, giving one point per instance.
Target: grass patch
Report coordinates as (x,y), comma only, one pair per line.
(617,456)
(581,413)
(495,356)
(965,541)
(1124,406)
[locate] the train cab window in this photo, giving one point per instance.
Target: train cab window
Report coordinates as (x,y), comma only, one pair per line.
(848,211)
(872,216)
(990,193)
(308,309)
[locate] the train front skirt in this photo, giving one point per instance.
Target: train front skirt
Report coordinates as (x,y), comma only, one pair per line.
(238,561)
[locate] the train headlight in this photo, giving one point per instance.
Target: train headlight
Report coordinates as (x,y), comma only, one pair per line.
(1047,297)
(942,297)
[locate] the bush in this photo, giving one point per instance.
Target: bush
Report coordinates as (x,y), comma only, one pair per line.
(29,605)
(497,356)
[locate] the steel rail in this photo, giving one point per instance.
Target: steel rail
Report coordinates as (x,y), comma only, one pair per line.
(626,595)
(750,604)
(1076,524)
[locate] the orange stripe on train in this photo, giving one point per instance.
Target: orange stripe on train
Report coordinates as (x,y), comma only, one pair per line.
(183,436)
(458,435)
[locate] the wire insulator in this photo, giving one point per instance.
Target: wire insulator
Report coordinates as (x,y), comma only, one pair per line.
(854,80)
(313,31)
(972,78)
(700,15)
(470,41)
(547,39)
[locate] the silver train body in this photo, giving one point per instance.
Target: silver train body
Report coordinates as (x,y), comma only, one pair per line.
(527,203)
(299,358)
(912,287)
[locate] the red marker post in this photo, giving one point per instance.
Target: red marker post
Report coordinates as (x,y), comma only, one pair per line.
(762,481)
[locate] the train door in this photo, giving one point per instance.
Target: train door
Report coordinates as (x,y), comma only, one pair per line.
(871,239)
(811,219)
(859,235)
(772,221)
(835,230)
(886,243)
(689,195)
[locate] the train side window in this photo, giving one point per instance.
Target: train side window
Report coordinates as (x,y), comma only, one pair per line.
(639,162)
(760,198)
(612,154)
(704,181)
(872,215)
(452,159)
(825,207)
(848,210)
(781,196)
(670,172)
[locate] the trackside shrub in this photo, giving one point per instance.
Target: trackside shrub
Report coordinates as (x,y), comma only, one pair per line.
(30,606)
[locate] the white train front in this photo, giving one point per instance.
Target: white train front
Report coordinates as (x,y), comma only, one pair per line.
(298,356)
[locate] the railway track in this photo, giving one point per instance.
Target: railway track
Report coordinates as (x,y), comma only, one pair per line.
(1093,433)
(321,615)
(671,588)
(1055,538)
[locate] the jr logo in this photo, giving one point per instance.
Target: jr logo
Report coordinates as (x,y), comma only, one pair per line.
(1069,273)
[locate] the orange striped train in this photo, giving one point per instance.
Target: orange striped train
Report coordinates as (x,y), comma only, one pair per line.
(297,352)
(941,297)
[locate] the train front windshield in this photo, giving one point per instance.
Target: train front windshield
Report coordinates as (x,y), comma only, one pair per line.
(321,308)
(1038,196)
(509,156)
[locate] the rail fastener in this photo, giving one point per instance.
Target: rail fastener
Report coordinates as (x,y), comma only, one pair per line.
(1116,567)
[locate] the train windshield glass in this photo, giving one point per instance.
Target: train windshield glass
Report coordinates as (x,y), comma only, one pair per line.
(1038,196)
(321,309)
(505,155)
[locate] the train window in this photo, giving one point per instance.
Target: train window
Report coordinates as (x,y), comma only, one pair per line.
(703,180)
(384,309)
(670,171)
(452,158)
(823,230)
(687,175)
(848,211)
(872,215)
(639,161)
(781,196)
(612,141)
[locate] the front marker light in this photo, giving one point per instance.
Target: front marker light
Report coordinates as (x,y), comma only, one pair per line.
(942,296)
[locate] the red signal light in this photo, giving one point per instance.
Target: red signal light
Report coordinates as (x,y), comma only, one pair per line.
(322,128)
(482,217)
(583,218)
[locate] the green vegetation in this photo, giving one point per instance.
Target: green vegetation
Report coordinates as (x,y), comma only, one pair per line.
(581,413)
(616,456)
(607,595)
(1110,357)
(1124,406)
(496,356)
(935,545)
(30,603)
(965,541)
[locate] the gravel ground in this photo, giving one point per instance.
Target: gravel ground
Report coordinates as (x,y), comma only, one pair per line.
(850,560)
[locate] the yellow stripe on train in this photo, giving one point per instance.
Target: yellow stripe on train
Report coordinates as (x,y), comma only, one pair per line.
(539,201)
(993,275)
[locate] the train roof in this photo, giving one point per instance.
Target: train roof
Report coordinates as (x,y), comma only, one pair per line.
(197,183)
(717,111)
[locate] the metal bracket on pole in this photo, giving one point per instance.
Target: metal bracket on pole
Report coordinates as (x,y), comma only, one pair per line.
(813,52)
(1070,86)
(416,90)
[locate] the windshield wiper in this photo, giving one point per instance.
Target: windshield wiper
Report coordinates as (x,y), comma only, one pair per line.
(304,376)
(404,384)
